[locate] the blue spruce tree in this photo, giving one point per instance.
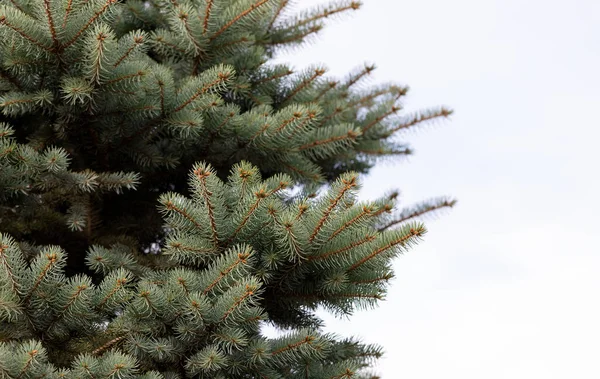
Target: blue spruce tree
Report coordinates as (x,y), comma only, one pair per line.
(165,190)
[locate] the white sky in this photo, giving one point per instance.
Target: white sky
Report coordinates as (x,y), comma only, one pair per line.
(507,284)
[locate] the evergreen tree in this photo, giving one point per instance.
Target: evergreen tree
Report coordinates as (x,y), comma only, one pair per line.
(165,190)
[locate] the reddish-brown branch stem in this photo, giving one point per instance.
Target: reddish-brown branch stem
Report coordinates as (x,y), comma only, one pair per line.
(222,274)
(72,299)
(177,245)
(8,269)
(350,135)
(246,218)
(206,194)
(305,83)
(282,5)
(326,13)
(349,184)
(421,118)
(365,211)
(209,5)
(67,12)
(172,45)
(274,77)
(88,23)
(287,122)
(19,101)
(24,35)
(120,282)
(368,238)
(237,18)
(51,23)
(259,132)
(400,241)
(330,86)
(307,340)
(366,71)
(203,90)
(183,213)
(410,216)
(32,354)
(297,37)
(247,294)
(302,172)
(126,54)
(378,119)
(375,280)
(107,345)
(189,33)
(52,258)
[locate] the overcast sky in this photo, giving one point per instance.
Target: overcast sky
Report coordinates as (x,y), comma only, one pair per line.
(507,285)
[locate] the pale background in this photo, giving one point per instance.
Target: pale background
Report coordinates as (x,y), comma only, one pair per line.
(507,284)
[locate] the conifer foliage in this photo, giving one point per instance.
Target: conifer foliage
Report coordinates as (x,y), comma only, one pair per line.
(160,192)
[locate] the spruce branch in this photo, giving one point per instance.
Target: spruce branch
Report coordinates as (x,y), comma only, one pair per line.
(170,205)
(419,210)
(207,11)
(241,259)
(308,340)
(249,290)
(408,233)
(347,374)
(366,211)
(23,25)
(68,10)
(366,239)
(259,132)
(107,346)
(366,99)
(378,119)
(113,291)
(164,45)
(353,79)
(104,93)
(419,118)
(50,17)
(103,9)
(384,278)
(32,356)
(243,14)
(202,173)
(298,37)
(98,42)
(184,15)
(80,291)
(328,87)
(282,4)
(48,262)
(328,12)
(11,262)
(349,136)
(317,73)
(138,40)
(303,173)
(303,126)
(349,182)
(220,76)
(134,76)
(176,245)
(383,151)
(260,195)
